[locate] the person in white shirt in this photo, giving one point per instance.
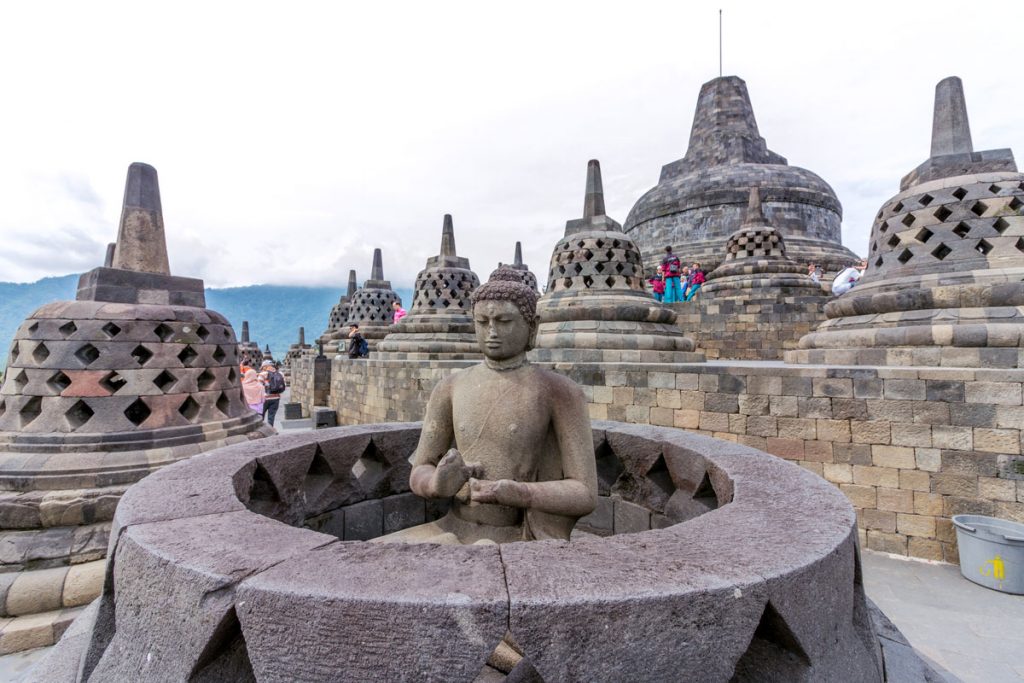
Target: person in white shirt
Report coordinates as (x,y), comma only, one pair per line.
(847,278)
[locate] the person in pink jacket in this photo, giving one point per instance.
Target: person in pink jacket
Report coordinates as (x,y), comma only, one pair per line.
(399,311)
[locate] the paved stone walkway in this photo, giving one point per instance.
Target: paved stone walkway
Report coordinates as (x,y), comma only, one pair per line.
(975,633)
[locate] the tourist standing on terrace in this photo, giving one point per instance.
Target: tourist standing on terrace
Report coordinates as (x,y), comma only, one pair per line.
(252,390)
(399,311)
(273,384)
(672,269)
(694,280)
(657,282)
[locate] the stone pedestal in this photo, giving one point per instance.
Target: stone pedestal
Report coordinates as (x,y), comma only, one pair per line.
(945,278)
(596,308)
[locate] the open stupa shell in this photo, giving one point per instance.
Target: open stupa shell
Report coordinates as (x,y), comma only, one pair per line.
(251,563)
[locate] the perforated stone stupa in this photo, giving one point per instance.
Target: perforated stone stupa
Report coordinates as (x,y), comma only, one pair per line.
(759,301)
(439,324)
(248,349)
(700,199)
(596,308)
(99,392)
(945,277)
(517,265)
(296,350)
(370,306)
(333,337)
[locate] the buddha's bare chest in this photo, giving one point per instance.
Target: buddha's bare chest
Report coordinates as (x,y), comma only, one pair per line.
(502,424)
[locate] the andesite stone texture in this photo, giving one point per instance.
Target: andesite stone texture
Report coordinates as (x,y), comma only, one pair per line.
(100,392)
(758,302)
(699,200)
(595,307)
(945,278)
(370,305)
(757,555)
(439,323)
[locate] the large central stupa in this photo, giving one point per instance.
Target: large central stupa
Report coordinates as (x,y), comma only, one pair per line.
(701,199)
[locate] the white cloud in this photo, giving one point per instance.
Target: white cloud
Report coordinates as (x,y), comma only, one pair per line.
(291,140)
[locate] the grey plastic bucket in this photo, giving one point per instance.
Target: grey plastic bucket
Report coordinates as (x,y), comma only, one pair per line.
(991,552)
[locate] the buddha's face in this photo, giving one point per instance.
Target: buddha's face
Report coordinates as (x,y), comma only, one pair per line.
(501,331)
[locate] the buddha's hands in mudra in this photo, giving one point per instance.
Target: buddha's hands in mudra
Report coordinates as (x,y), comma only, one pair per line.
(506,492)
(451,474)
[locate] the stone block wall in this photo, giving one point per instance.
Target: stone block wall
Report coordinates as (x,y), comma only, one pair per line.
(368,391)
(311,381)
(910,447)
(748,329)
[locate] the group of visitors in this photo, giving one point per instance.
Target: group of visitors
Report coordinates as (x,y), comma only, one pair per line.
(674,282)
(262,390)
(357,345)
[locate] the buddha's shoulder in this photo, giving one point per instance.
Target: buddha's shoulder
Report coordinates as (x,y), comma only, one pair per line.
(558,384)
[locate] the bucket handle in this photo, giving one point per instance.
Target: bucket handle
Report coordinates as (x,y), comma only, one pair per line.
(964,526)
(1010,537)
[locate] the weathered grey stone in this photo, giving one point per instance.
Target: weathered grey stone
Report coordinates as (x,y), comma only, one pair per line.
(435,614)
(700,199)
(151,579)
(943,279)
(595,302)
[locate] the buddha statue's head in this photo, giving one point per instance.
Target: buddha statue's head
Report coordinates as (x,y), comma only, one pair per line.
(505,316)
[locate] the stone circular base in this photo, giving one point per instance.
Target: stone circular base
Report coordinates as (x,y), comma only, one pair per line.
(947,356)
(250,563)
(614,356)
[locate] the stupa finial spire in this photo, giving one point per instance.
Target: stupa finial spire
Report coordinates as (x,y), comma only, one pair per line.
(302,336)
(518,260)
(141,243)
(951,131)
(755,212)
(593,201)
(245,331)
(448,237)
(352,284)
(377,272)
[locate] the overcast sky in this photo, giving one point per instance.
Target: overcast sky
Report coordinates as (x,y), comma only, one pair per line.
(293,138)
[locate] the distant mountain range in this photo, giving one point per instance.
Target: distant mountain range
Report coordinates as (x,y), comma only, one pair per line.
(274,312)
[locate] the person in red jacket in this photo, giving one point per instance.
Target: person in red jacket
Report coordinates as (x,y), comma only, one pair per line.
(672,268)
(694,282)
(657,282)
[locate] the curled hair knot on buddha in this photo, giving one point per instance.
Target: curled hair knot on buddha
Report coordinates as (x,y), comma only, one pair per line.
(506,284)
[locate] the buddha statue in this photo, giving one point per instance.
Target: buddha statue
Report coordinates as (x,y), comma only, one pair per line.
(508,442)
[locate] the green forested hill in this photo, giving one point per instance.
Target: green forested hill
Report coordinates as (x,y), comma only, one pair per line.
(274,312)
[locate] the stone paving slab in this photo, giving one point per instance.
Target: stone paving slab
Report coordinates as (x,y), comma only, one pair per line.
(975,633)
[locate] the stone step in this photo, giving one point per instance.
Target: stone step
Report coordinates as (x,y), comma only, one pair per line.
(35,630)
(43,590)
(53,547)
